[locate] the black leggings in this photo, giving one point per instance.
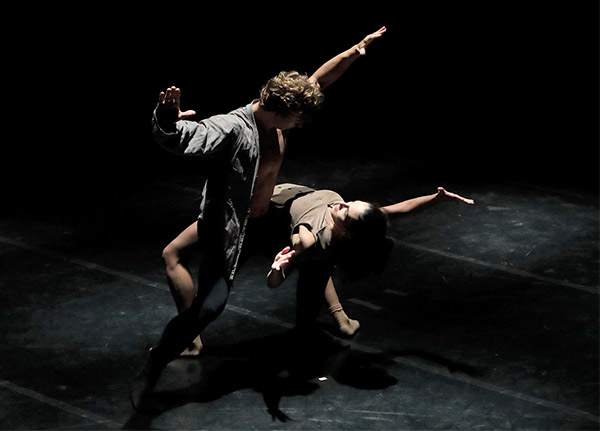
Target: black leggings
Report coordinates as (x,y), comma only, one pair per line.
(209,303)
(212,298)
(265,236)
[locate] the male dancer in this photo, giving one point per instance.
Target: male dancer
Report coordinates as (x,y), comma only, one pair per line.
(247,146)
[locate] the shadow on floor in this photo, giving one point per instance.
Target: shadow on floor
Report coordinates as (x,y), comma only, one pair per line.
(282,365)
(276,366)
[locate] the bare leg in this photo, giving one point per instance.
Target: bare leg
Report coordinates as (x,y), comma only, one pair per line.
(346,325)
(179,278)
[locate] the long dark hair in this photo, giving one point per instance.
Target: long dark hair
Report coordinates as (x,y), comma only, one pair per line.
(366,248)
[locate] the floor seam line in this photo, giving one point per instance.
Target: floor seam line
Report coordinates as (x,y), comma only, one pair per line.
(498,267)
(61,405)
(287,325)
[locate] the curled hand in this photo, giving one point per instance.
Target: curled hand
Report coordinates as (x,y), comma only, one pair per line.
(282,258)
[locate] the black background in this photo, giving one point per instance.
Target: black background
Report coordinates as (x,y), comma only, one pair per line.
(474,91)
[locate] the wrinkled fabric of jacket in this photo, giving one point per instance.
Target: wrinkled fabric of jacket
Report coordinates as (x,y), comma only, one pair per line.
(230,143)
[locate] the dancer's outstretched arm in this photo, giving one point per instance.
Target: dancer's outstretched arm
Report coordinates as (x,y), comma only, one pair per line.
(203,138)
(423,202)
(329,72)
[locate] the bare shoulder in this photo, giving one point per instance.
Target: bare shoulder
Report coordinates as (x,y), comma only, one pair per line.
(303,239)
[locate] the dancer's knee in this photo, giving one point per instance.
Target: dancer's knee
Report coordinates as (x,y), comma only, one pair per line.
(212,309)
(170,256)
(214,303)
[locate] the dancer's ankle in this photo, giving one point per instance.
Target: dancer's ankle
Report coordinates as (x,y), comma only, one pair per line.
(346,325)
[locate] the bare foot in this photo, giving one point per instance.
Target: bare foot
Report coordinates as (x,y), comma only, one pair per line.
(194,348)
(348,326)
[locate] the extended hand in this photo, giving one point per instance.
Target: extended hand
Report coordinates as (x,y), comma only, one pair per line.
(282,258)
(169,105)
(368,39)
(446,195)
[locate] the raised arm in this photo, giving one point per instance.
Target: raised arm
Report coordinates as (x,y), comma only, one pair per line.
(168,110)
(423,202)
(328,73)
(177,135)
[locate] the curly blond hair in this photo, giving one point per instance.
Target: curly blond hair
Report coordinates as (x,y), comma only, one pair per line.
(290,92)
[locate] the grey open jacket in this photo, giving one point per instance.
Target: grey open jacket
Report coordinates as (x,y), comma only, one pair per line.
(231,142)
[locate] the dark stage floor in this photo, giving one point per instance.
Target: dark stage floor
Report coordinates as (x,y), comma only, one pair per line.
(486,316)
